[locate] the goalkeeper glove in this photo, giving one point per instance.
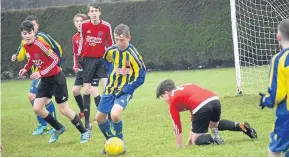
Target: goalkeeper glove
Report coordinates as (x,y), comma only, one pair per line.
(261,100)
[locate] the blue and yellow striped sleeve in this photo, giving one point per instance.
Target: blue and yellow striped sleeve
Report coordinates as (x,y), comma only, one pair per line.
(21,52)
(277,88)
(108,56)
(139,70)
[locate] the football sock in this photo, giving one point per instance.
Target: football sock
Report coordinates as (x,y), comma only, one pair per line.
(287,154)
(229,125)
(79,102)
(53,122)
(78,124)
(40,119)
(204,139)
(86,109)
(51,109)
(105,129)
(118,129)
(97,100)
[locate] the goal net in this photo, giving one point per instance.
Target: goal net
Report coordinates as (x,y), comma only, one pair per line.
(254,26)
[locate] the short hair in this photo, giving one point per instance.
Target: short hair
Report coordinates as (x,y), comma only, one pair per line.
(283,28)
(32,18)
(94,5)
(26,26)
(83,16)
(122,29)
(165,85)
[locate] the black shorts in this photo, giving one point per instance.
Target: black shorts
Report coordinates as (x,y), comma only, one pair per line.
(93,68)
(209,112)
(53,86)
(79,80)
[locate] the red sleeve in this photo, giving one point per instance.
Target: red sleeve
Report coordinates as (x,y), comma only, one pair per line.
(175,115)
(28,65)
(49,52)
(80,41)
(109,38)
(75,52)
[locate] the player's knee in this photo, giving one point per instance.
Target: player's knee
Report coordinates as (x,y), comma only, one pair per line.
(100,117)
(31,96)
(204,139)
(76,91)
(87,88)
(37,109)
(115,116)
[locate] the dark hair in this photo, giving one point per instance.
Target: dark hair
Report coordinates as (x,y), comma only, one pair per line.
(26,26)
(94,5)
(165,85)
(122,29)
(284,28)
(32,18)
(83,16)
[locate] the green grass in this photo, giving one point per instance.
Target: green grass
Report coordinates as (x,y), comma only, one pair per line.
(148,129)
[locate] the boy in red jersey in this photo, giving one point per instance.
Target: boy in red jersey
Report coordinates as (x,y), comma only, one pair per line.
(205,108)
(95,36)
(77,67)
(53,82)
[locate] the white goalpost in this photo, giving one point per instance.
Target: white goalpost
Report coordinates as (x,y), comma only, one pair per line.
(254,26)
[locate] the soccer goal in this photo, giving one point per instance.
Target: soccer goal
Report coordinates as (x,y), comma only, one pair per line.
(254,26)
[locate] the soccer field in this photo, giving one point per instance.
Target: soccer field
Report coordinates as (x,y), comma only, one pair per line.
(148,129)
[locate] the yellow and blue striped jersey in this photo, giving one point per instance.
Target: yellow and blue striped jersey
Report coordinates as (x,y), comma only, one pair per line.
(126,70)
(278,91)
(21,52)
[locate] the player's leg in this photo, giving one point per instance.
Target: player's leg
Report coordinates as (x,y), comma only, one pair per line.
(215,109)
(104,108)
(237,126)
(59,90)
(44,95)
(278,144)
(78,83)
(89,69)
(94,91)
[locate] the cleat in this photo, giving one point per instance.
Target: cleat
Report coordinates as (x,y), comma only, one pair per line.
(50,131)
(81,115)
(40,130)
(85,137)
(56,134)
(248,130)
(103,151)
(89,127)
(219,141)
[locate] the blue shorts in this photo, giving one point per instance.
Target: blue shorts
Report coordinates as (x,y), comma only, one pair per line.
(34,86)
(278,143)
(108,100)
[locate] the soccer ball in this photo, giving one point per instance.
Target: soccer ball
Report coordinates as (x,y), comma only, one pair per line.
(114,146)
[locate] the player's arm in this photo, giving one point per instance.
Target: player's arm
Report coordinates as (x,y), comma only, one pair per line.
(175,115)
(28,65)
(275,93)
(107,58)
(20,54)
(75,58)
(49,52)
(81,42)
(109,38)
(139,74)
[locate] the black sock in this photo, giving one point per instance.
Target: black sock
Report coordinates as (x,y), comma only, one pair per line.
(78,124)
(86,109)
(53,122)
(228,125)
(204,139)
(97,100)
(79,102)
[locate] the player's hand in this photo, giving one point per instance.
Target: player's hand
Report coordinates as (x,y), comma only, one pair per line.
(261,100)
(14,58)
(189,141)
(76,70)
(35,75)
(22,73)
(0,147)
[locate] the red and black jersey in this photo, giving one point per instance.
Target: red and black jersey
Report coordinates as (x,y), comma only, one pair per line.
(188,97)
(43,57)
(94,39)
